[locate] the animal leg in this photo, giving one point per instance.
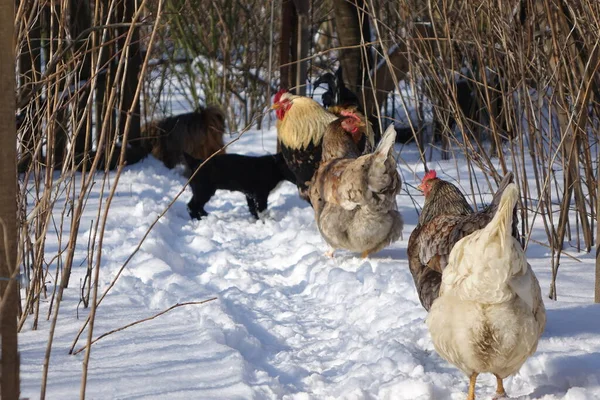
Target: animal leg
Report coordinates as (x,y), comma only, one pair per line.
(500,392)
(199,199)
(364,254)
(329,253)
(261,202)
(252,206)
(196,212)
(471,395)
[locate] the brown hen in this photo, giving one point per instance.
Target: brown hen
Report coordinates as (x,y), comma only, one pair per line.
(445,219)
(342,137)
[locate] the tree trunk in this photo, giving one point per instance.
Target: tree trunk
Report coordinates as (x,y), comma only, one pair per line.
(287,22)
(9,295)
(351,25)
(29,71)
(57,133)
(81,19)
(106,75)
(597,285)
(385,78)
(301,44)
(131,75)
(293,49)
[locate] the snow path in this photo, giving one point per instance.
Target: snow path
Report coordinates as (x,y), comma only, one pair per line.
(289,323)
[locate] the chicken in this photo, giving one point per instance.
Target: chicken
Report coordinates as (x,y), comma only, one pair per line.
(364,135)
(342,137)
(445,219)
(301,124)
(490,314)
(300,128)
(354,199)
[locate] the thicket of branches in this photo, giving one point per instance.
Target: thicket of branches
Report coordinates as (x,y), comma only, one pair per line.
(533,66)
(90,73)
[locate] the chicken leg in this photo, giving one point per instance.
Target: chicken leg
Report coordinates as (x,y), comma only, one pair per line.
(500,392)
(364,254)
(471,395)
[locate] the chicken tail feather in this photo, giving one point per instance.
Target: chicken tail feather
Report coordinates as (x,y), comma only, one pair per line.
(507,180)
(383,181)
(482,264)
(504,216)
(387,142)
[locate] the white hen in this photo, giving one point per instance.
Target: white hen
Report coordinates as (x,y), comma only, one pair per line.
(489,315)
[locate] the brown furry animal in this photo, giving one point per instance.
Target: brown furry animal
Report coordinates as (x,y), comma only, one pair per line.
(198,133)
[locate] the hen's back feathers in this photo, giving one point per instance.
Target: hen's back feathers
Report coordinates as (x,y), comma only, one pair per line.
(482,263)
(444,199)
(446,218)
(337,143)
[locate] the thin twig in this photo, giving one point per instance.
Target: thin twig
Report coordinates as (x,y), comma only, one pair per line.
(142,320)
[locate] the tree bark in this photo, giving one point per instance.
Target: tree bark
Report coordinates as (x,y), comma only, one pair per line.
(29,72)
(131,75)
(105,78)
(57,133)
(597,283)
(301,44)
(385,78)
(9,364)
(81,19)
(287,21)
(351,25)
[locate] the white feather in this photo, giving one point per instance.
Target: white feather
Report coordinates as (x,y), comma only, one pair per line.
(489,315)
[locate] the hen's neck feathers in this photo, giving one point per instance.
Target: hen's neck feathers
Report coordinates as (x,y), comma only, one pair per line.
(304,123)
(444,199)
(337,143)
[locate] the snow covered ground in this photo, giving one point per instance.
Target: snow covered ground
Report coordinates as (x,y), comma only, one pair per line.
(288,322)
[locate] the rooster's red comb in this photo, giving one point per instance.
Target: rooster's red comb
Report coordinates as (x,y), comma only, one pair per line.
(278,95)
(430,175)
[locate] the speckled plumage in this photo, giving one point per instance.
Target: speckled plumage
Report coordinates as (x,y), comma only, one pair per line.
(355,200)
(489,315)
(445,219)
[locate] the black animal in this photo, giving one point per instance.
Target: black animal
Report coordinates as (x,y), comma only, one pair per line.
(256,177)
(337,93)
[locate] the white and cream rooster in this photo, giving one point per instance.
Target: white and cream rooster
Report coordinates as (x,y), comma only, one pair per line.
(489,315)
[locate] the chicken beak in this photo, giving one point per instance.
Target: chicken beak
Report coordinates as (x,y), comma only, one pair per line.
(420,187)
(275,106)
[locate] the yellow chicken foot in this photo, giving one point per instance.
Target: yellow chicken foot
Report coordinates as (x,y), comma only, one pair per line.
(364,254)
(500,392)
(471,395)
(329,253)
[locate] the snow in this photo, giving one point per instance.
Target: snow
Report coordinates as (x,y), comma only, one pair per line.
(288,322)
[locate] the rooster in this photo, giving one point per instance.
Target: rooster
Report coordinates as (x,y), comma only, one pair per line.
(489,315)
(445,219)
(301,123)
(354,199)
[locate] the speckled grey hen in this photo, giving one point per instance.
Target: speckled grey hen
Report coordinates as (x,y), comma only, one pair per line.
(354,198)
